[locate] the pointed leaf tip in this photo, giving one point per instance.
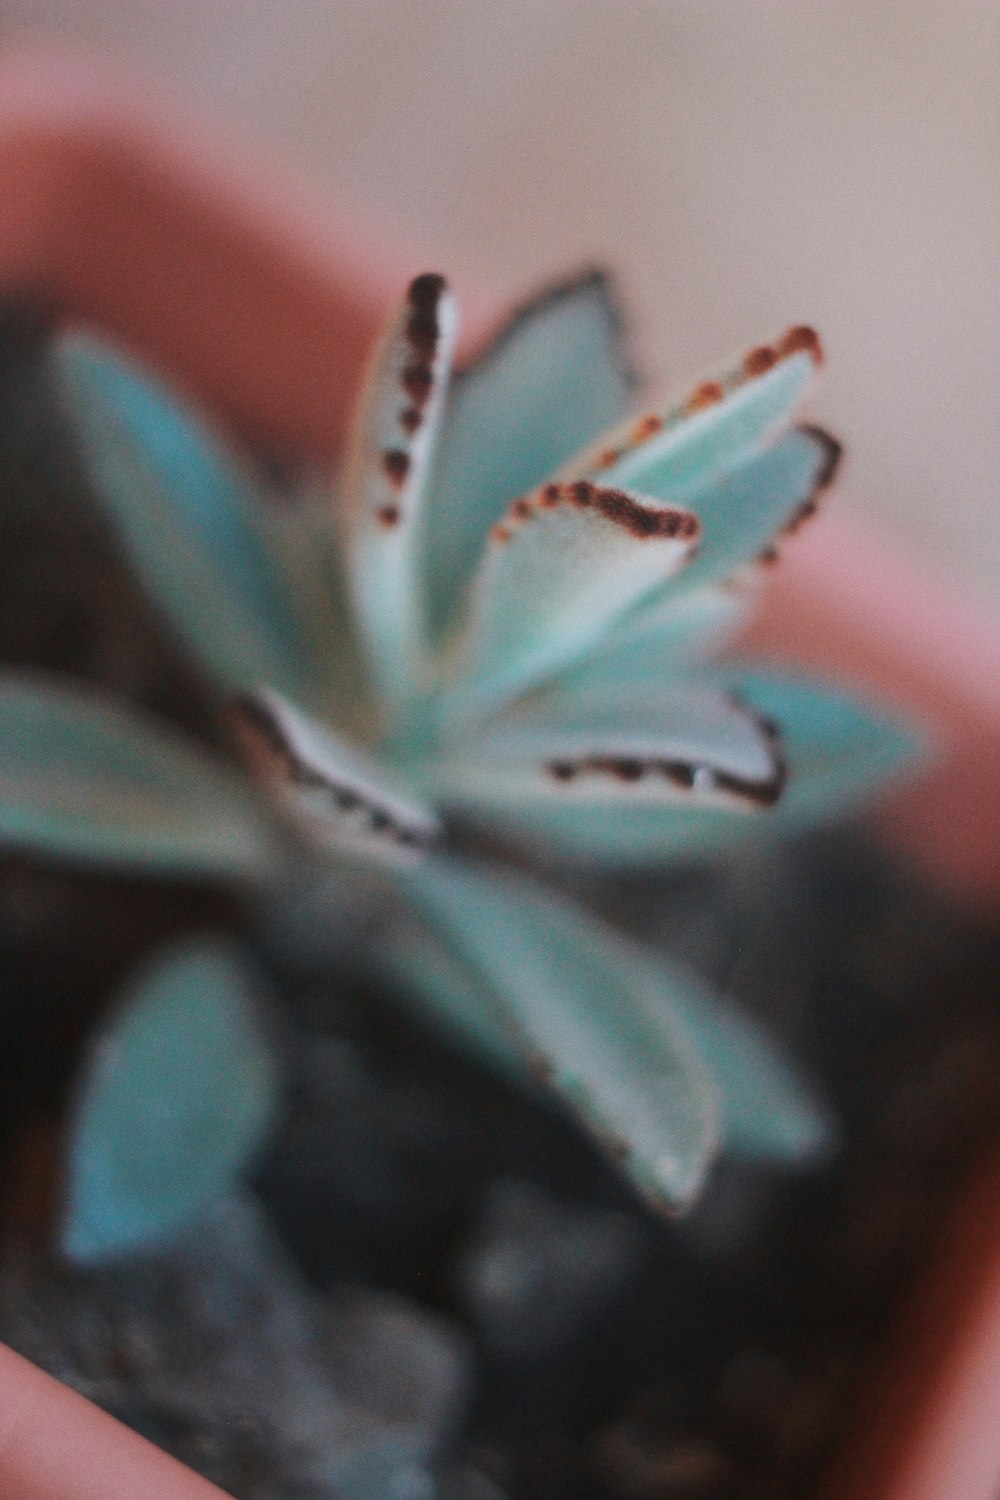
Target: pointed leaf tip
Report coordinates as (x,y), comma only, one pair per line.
(560,992)
(176,1094)
(552,376)
(395,429)
(191,518)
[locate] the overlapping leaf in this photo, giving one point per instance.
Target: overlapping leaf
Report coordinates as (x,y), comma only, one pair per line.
(192,520)
(563,564)
(554,375)
(395,428)
(609,1043)
(836,752)
(86,780)
(689,744)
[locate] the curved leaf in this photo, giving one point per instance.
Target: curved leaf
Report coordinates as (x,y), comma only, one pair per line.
(342,798)
(744,514)
(394,433)
(712,429)
(552,377)
(562,566)
(412,958)
(83,778)
(687,743)
(190,519)
(586,1021)
(657,642)
(769,1111)
(837,752)
(176,1095)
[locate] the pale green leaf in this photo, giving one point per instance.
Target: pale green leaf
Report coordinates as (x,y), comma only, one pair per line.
(558,571)
(391,446)
(838,751)
(553,376)
(86,779)
(177,1092)
(588,1022)
(191,520)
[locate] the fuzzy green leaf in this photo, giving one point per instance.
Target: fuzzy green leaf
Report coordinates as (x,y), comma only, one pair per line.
(610,1045)
(657,642)
(176,1095)
(685,744)
(553,376)
(677,451)
(89,780)
(192,521)
(392,443)
(837,752)
(568,562)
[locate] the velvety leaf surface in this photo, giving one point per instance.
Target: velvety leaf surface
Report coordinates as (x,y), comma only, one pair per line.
(685,743)
(657,642)
(743,515)
(559,569)
(716,426)
(836,749)
(190,519)
(391,447)
(83,778)
(176,1094)
(554,376)
(344,799)
(600,1030)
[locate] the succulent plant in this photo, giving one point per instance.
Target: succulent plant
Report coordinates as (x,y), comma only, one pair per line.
(499,628)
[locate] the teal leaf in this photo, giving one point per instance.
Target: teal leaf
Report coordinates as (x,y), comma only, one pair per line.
(660,640)
(594,1025)
(745,513)
(410,958)
(838,751)
(191,521)
(176,1094)
(303,536)
(676,451)
(394,433)
(86,779)
(343,799)
(552,377)
(769,1111)
(558,570)
(687,744)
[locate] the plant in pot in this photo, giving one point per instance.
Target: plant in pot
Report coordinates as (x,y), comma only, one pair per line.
(557,702)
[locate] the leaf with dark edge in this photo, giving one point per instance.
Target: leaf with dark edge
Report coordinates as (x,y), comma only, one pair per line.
(391,445)
(560,568)
(553,375)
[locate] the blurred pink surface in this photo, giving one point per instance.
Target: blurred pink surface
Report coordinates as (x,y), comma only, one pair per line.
(54,1445)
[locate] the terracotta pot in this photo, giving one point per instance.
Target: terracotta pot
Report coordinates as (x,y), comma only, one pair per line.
(263,306)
